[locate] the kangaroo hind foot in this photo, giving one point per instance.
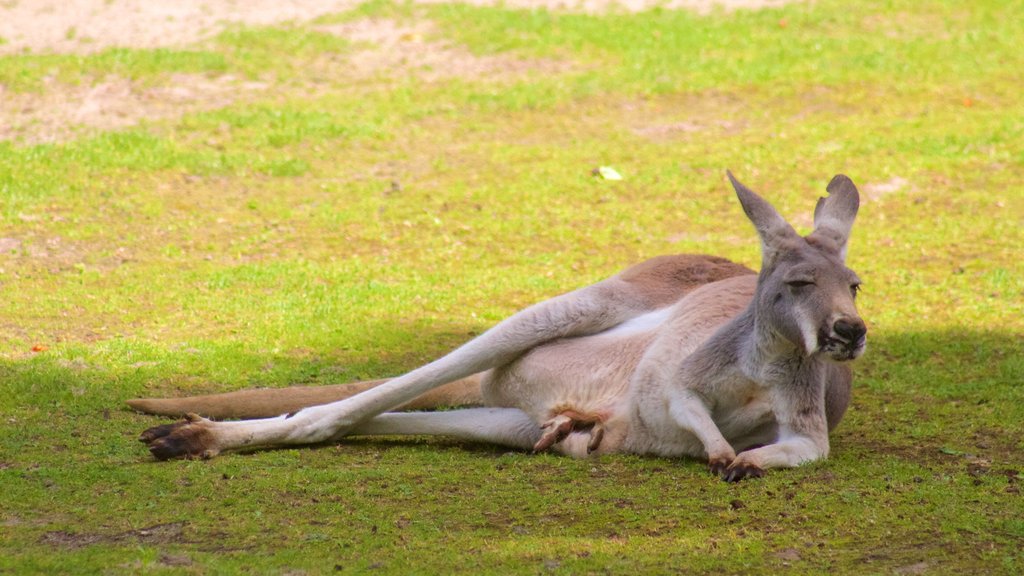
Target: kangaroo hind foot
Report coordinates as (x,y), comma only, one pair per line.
(189,438)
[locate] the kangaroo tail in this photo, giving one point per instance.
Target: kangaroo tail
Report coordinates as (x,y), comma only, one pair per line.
(268,402)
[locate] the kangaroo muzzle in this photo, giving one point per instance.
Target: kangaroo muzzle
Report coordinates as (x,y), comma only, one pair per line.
(846,339)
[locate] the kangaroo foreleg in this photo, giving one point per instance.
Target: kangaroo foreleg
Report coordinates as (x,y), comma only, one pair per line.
(803,432)
(690,412)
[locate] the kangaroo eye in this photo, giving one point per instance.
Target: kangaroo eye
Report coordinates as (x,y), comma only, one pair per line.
(854,289)
(799,283)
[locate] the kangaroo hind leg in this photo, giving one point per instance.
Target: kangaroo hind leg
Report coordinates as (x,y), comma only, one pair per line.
(585,311)
(502,426)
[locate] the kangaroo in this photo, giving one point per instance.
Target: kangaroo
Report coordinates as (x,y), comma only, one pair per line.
(679,356)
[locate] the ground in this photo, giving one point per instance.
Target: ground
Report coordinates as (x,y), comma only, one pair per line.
(212,196)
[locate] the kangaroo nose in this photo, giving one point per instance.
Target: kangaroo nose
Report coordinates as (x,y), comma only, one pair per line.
(850,330)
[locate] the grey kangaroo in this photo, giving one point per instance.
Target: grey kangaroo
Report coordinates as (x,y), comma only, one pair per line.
(677,356)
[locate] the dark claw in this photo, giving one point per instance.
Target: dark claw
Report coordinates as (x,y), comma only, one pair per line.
(596,435)
(183,439)
(735,473)
(718,466)
(555,430)
(157,432)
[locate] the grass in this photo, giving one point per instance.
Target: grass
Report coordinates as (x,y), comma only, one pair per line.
(343,228)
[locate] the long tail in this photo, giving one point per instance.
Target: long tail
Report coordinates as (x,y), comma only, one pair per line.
(268,402)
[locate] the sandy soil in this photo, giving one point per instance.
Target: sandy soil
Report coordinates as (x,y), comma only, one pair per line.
(63,111)
(603,6)
(390,48)
(90,25)
(83,26)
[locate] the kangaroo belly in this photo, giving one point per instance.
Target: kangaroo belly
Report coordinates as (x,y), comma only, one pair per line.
(588,375)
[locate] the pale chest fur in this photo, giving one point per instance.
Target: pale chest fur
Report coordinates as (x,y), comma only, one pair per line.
(741,410)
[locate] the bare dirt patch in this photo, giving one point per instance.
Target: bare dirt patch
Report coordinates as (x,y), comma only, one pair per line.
(62,111)
(876,190)
(158,534)
(604,6)
(676,130)
(392,49)
(83,26)
(385,49)
(681,118)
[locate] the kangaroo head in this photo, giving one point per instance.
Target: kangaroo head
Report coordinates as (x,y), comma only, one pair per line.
(805,293)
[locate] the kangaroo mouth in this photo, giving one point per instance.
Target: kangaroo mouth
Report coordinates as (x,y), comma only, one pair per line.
(842,350)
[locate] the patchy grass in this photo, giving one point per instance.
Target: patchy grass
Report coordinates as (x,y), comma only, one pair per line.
(26,72)
(343,229)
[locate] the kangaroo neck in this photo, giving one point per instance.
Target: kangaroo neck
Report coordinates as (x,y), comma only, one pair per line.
(761,353)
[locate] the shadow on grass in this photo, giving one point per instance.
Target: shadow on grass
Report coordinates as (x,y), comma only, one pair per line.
(923,395)
(929,455)
(103,375)
(939,398)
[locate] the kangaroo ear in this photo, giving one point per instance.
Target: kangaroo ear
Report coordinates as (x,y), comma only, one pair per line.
(773,229)
(834,215)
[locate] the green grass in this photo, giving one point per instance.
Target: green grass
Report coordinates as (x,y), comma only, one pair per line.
(338,228)
(26,72)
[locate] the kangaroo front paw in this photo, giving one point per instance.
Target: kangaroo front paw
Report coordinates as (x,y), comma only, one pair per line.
(739,470)
(717,466)
(190,438)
